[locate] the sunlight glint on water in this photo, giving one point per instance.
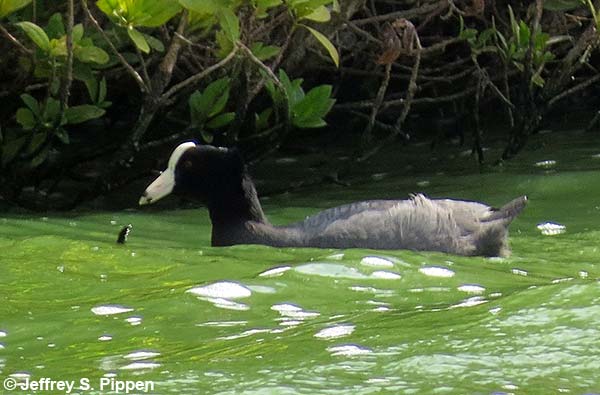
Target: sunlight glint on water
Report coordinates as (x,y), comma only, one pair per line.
(250,319)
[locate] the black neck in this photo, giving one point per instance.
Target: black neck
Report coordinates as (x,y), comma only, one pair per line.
(231,209)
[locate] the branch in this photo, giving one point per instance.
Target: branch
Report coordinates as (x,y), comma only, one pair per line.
(165,70)
(14,40)
(68,77)
(573,90)
(407,14)
(197,77)
(367,133)
(136,76)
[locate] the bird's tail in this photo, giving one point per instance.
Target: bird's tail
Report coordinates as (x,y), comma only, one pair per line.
(492,240)
(508,212)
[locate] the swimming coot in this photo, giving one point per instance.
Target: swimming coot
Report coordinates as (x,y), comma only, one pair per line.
(217,177)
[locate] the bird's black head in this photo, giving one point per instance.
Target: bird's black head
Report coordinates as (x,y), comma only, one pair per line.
(201,172)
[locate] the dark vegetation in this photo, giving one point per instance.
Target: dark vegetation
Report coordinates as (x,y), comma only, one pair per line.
(92,91)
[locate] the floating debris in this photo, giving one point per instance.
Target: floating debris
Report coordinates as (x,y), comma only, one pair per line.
(333,332)
(275,272)
(551,228)
(222,289)
(546,164)
(436,271)
(110,309)
(471,288)
(348,350)
(376,261)
(124,233)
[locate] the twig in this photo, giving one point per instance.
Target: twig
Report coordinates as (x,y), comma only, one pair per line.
(367,133)
(163,75)
(273,66)
(136,76)
(163,141)
(68,76)
(14,40)
(410,94)
(593,122)
(574,89)
(407,14)
(145,74)
(362,32)
(165,97)
(481,85)
(262,66)
(285,99)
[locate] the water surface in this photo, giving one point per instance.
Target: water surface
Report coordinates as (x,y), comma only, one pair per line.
(169,308)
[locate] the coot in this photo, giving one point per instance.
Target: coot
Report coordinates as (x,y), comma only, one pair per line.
(217,177)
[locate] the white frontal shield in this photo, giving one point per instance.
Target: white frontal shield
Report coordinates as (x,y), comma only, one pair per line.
(164,184)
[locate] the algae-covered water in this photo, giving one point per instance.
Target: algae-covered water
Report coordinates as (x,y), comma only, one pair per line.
(191,319)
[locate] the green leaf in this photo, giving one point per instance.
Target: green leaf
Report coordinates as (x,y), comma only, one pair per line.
(92,87)
(266,4)
(320,14)
(25,118)
(91,55)
(102,90)
(77,32)
(524,34)
(37,140)
(309,112)
(9,6)
(36,34)
(206,136)
(336,6)
(147,13)
(32,104)
(58,47)
(230,24)
(51,110)
(538,80)
(264,52)
(333,53)
(211,101)
(221,120)
(225,44)
(513,22)
(62,135)
(262,6)
(262,119)
(154,43)
(220,103)
(201,6)
(562,5)
(138,39)
(83,113)
(293,89)
(55,27)
(11,148)
(40,158)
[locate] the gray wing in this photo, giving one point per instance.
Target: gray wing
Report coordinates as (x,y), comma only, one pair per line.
(418,223)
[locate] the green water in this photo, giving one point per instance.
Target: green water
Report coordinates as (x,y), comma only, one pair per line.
(325,321)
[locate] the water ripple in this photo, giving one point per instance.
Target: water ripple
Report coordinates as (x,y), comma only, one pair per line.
(436,271)
(223,289)
(376,261)
(141,355)
(334,332)
(275,272)
(348,350)
(110,309)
